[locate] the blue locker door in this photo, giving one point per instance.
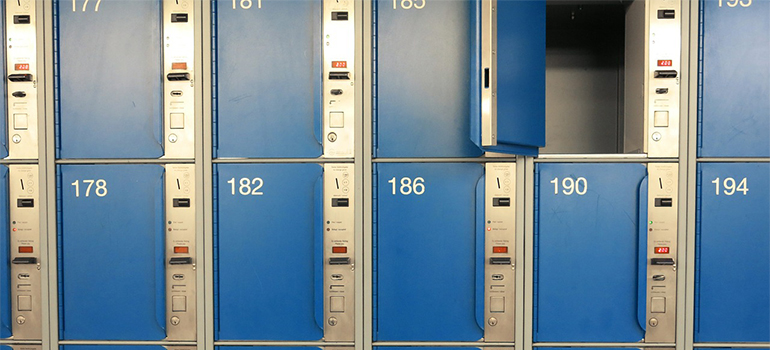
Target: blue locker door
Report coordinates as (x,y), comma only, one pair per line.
(422,79)
(108,79)
(429,253)
(734,101)
(112,347)
(428,78)
(587,264)
(5,259)
(268,84)
(111,252)
(732,300)
(269,252)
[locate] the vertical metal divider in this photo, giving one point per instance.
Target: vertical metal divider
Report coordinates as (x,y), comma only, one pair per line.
(521,256)
(364,333)
(203,175)
(528,179)
(47,161)
(362,154)
(204,161)
(686,320)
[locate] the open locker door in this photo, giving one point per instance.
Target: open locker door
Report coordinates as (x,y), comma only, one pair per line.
(509,77)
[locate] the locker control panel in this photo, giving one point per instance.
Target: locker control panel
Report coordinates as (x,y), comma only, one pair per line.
(339,54)
(339,252)
(178,81)
(664,45)
(662,214)
(499,251)
(21,70)
(180,252)
(25,251)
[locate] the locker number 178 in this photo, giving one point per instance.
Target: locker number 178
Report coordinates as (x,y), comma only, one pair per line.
(100,190)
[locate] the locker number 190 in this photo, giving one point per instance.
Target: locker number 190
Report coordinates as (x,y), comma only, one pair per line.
(100,190)
(409,186)
(246,4)
(570,185)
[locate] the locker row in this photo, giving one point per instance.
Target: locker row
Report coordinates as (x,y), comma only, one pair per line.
(130,79)
(445,252)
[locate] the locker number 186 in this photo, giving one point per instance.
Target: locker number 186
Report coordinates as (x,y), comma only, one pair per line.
(100,190)
(409,186)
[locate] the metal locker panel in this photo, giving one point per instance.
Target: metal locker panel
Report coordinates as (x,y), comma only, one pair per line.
(6,313)
(422,79)
(263,233)
(587,269)
(108,79)
(268,86)
(429,253)
(3,102)
(734,79)
(518,78)
(111,252)
(732,286)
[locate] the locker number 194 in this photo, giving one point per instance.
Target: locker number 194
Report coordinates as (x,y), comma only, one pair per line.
(100,190)
(409,186)
(729,186)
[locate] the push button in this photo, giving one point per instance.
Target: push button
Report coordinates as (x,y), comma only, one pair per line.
(179,303)
(661,118)
(336,304)
(20,121)
(336,119)
(177,120)
(658,305)
(497,304)
(24,302)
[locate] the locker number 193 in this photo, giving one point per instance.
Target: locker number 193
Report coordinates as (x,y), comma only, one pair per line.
(100,190)
(409,186)
(730,187)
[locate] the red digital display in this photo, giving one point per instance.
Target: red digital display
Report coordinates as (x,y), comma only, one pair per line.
(661,250)
(21,66)
(339,64)
(665,63)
